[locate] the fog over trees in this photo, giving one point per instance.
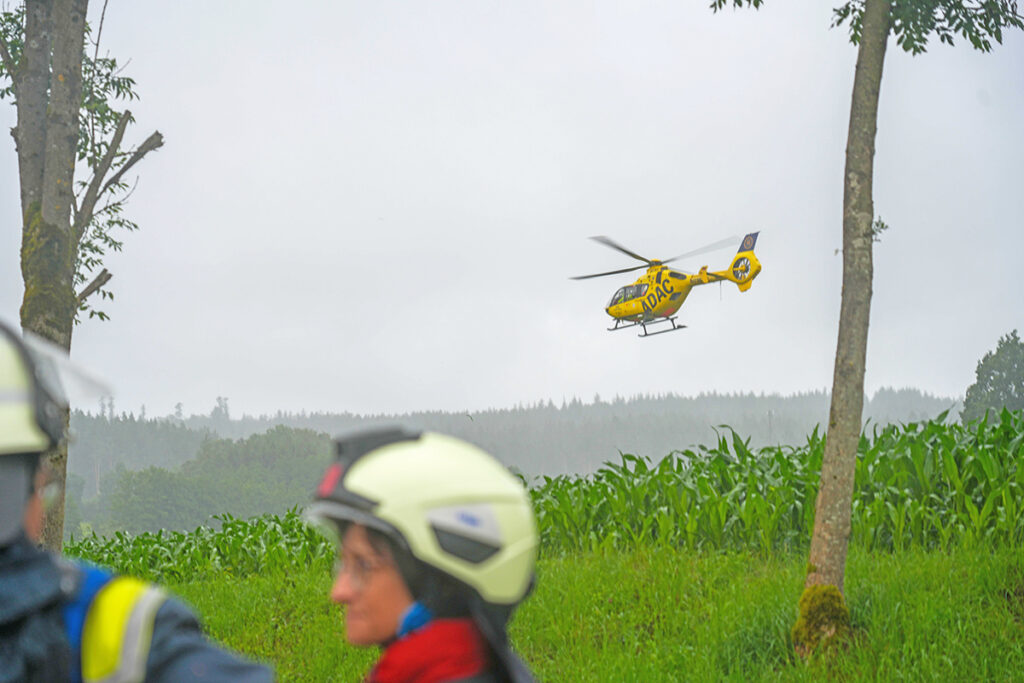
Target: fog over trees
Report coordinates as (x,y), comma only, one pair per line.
(188,468)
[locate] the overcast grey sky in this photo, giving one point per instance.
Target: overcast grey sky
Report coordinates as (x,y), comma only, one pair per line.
(375,207)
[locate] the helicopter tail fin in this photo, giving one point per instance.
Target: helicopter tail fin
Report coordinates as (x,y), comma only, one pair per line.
(748,242)
(745,266)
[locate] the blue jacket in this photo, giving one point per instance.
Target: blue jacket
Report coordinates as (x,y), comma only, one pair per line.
(64,621)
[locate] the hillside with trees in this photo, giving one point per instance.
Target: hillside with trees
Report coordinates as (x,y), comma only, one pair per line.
(138,473)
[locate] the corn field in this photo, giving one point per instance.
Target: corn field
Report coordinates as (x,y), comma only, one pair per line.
(931,485)
(263,544)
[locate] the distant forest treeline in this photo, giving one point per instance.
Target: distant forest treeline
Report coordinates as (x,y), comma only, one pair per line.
(118,461)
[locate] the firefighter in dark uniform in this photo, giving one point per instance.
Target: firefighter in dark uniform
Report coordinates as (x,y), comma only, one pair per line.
(68,621)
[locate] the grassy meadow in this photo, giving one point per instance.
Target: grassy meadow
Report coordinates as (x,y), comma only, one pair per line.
(689,568)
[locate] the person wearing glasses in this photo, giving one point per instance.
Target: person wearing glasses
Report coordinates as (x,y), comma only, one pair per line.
(437,544)
(69,621)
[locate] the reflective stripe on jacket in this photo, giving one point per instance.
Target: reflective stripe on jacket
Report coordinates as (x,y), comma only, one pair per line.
(125,630)
(109,624)
(119,630)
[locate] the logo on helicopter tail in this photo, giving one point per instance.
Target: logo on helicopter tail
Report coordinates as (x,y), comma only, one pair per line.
(749,241)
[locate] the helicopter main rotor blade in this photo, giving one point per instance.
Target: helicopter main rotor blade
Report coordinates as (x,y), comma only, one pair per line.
(608,242)
(703,250)
(610,272)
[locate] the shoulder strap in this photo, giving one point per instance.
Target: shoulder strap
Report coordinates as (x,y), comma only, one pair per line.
(118,630)
(80,583)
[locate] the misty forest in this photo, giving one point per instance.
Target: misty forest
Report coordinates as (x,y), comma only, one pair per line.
(133,473)
(867,530)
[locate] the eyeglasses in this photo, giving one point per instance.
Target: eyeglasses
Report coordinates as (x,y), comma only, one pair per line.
(359,570)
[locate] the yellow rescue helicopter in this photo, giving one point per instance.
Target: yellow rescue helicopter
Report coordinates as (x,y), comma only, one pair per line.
(657,295)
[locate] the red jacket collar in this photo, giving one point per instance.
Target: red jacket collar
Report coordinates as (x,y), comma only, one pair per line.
(443,650)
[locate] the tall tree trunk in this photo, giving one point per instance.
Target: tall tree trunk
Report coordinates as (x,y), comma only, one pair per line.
(56,29)
(31,85)
(827,564)
(832,519)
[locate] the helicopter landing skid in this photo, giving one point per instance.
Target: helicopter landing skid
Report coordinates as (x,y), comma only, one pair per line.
(644,323)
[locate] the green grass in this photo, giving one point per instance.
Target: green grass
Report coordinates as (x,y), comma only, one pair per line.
(284,619)
(671,615)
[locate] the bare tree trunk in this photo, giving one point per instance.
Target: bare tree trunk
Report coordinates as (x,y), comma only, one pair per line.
(56,30)
(827,564)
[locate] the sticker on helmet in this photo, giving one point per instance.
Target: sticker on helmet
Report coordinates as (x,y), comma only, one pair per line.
(475,521)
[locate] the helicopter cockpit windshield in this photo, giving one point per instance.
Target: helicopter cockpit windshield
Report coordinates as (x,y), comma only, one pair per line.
(628,294)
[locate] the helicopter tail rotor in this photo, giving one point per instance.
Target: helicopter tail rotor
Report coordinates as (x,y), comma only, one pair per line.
(745,266)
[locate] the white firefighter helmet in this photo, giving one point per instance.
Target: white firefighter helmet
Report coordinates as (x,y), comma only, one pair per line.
(451,505)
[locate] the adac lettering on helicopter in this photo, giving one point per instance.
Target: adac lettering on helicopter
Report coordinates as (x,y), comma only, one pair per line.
(657,295)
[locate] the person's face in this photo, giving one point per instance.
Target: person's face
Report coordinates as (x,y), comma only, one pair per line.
(35,508)
(371,588)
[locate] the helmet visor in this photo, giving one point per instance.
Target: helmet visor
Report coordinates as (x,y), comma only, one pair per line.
(62,380)
(37,380)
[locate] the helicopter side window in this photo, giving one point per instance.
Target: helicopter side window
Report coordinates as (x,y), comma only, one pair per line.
(635,292)
(628,294)
(620,296)
(631,292)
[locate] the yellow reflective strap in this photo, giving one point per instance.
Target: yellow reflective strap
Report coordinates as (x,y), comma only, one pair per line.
(118,630)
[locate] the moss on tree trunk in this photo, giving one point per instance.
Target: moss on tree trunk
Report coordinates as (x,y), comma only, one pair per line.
(824,620)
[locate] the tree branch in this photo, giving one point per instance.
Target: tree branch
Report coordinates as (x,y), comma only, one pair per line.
(93,286)
(99,33)
(95,58)
(154,141)
(117,203)
(84,214)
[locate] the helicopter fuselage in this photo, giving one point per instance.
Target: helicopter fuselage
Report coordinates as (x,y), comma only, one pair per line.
(657,294)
